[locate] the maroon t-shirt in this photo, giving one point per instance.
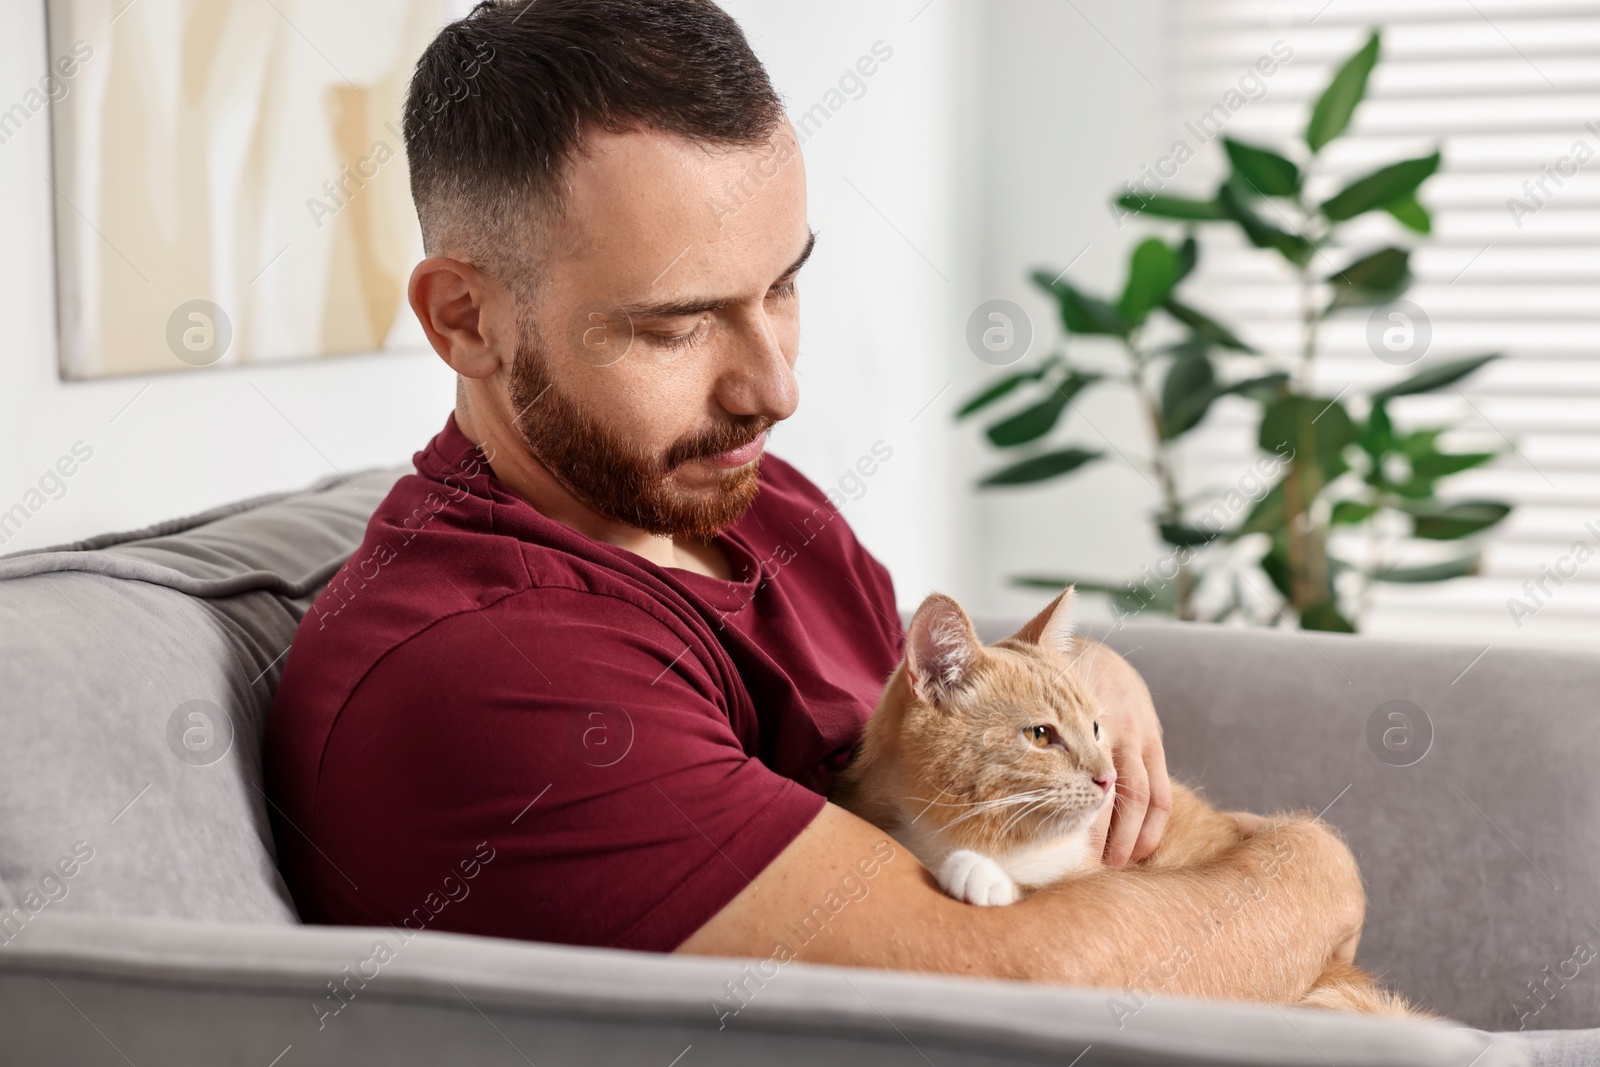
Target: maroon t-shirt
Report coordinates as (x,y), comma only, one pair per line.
(489,723)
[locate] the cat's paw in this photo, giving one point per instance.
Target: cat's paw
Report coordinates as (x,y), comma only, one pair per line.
(976,879)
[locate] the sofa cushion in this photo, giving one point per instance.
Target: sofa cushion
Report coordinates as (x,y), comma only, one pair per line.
(137,671)
(186,994)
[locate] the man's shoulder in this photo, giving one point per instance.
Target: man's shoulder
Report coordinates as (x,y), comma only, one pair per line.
(437,554)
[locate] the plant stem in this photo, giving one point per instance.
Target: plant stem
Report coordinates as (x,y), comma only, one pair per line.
(1375,557)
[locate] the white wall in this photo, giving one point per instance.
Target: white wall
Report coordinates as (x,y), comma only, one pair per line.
(881,329)
(1076,99)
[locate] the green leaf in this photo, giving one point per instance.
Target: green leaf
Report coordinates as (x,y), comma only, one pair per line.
(1377,436)
(1041,468)
(1397,181)
(1351,513)
(1266,172)
(1264,389)
(1186,394)
(1435,377)
(1150,595)
(1081,313)
(1410,214)
(1326,617)
(1129,597)
(1267,515)
(1331,114)
(1056,584)
(1435,465)
(1262,234)
(1451,522)
(1316,429)
(1174,207)
(1183,535)
(1432,572)
(1152,272)
(1275,564)
(999,390)
(1418,490)
(1209,329)
(1374,279)
(1188,257)
(1036,420)
(1421,442)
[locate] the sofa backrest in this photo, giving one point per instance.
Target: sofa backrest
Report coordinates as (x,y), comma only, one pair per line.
(136,673)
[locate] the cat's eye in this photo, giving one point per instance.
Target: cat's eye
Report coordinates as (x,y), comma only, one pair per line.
(1043,736)
(1097,729)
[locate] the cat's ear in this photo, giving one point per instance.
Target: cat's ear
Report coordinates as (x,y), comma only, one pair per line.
(941,647)
(1052,628)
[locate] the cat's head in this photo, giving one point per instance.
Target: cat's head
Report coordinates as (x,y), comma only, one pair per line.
(1000,744)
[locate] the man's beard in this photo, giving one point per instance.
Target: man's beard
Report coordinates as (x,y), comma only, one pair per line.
(620,480)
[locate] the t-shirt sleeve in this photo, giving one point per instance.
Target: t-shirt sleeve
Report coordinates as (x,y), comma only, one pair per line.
(560,767)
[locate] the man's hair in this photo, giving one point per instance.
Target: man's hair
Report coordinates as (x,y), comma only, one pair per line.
(502,99)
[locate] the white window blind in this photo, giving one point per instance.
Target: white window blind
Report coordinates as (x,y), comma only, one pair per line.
(1509,90)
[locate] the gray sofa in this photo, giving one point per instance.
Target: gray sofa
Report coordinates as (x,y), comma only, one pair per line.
(142,918)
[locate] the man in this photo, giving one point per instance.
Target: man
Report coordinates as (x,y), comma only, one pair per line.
(592,671)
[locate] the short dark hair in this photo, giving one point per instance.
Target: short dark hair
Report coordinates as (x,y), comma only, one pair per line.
(501,100)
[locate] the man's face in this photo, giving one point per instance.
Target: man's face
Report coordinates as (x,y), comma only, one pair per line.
(660,346)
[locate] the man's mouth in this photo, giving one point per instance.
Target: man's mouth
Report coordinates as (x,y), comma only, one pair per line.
(738,457)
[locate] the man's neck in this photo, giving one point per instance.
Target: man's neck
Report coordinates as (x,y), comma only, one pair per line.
(525,476)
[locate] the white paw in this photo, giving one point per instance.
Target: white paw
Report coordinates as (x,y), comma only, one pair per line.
(976,879)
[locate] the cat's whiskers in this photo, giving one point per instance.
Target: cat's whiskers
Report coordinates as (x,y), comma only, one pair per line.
(983,807)
(973,803)
(1024,813)
(928,804)
(991,806)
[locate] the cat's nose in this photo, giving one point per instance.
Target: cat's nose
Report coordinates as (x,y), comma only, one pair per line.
(1106,781)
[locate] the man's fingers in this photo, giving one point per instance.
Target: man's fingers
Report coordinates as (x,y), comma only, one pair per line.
(1133,799)
(1155,819)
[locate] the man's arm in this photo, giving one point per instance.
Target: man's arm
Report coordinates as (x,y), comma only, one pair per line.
(1256,924)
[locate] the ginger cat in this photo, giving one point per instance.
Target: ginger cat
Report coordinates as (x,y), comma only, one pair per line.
(989,764)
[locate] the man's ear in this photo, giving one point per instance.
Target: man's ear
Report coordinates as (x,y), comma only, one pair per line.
(941,648)
(449,297)
(1052,627)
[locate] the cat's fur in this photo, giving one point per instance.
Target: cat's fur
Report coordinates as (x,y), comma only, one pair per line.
(952,765)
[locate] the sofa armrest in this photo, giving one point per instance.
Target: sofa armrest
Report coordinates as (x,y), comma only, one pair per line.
(1473,818)
(98,989)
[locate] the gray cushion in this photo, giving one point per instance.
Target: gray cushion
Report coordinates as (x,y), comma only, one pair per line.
(113,798)
(184,994)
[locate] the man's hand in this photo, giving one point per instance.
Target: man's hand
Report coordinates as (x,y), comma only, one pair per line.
(1132,827)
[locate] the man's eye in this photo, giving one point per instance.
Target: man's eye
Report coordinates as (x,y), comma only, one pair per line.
(682,340)
(787,289)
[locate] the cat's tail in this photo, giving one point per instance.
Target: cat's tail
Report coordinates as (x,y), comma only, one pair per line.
(1346,987)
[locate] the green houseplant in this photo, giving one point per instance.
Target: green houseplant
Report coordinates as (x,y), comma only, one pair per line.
(1348,474)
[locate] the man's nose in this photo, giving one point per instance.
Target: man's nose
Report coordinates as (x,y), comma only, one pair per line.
(758,379)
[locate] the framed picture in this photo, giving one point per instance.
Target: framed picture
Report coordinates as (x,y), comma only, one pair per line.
(230,180)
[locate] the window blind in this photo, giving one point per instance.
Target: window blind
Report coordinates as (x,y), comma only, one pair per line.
(1509,91)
